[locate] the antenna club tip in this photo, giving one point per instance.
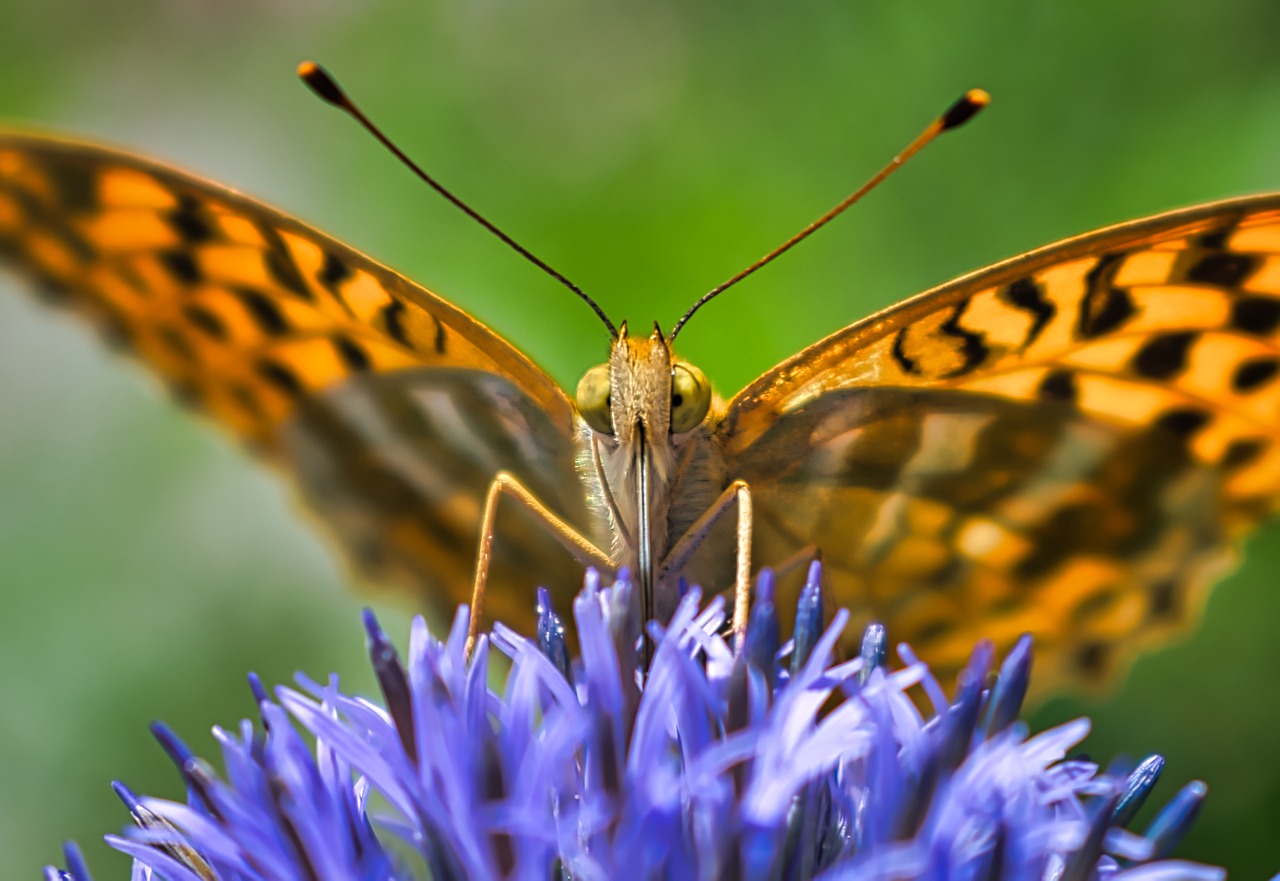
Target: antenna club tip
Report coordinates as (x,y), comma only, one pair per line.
(319,81)
(981,97)
(965,108)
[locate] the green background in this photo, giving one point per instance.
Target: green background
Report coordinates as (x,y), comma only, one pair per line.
(646,149)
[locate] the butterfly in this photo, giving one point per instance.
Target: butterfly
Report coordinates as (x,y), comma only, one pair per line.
(1070,442)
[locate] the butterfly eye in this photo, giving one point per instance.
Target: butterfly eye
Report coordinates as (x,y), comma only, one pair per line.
(593,399)
(690,398)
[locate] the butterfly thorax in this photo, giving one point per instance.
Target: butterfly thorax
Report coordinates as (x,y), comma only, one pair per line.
(642,462)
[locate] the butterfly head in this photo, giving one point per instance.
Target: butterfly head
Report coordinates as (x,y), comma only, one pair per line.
(643,389)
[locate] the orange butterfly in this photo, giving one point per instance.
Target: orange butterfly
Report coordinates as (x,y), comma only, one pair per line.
(1068,443)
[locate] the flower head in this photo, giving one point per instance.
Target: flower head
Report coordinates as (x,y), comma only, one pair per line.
(776,762)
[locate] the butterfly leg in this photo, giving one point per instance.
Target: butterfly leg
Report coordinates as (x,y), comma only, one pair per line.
(570,539)
(738,495)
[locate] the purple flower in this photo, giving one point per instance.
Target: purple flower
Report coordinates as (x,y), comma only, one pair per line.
(776,762)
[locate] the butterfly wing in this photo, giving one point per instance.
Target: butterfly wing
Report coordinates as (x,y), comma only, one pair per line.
(393,408)
(1067,443)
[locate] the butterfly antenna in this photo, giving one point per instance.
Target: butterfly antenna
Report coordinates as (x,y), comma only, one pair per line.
(958,114)
(328,90)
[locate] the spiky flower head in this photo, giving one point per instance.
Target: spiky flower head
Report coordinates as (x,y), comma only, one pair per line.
(778,761)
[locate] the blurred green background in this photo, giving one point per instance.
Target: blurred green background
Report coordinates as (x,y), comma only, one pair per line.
(646,149)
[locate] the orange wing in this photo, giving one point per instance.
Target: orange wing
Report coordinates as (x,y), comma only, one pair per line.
(320,358)
(1068,442)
